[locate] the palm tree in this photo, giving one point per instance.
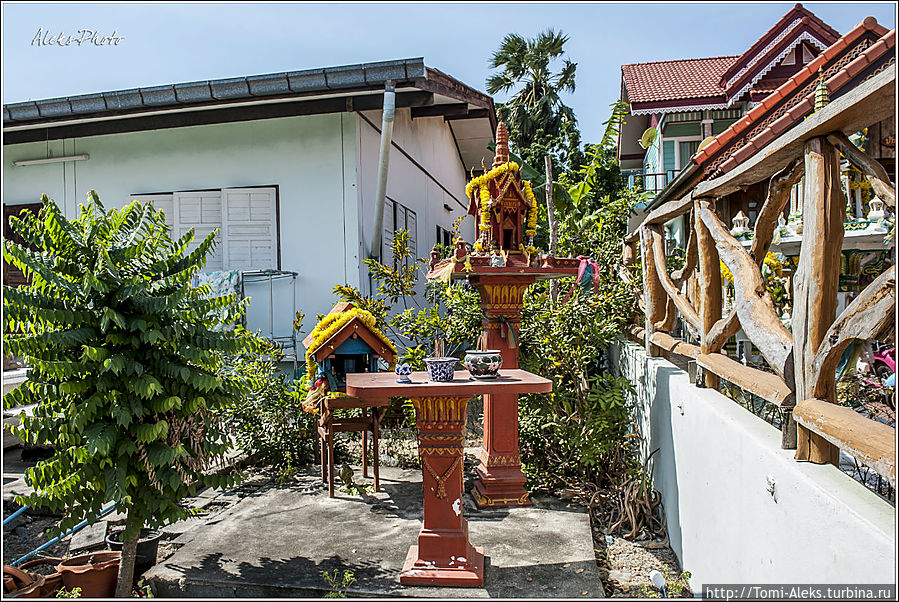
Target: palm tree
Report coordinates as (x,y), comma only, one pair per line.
(537,104)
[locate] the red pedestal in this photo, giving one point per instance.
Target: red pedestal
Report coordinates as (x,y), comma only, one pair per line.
(500,480)
(443,555)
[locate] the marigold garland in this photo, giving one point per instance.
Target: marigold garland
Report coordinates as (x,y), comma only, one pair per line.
(329,325)
(480,184)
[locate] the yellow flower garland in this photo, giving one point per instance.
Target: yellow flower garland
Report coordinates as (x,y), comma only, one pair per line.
(329,325)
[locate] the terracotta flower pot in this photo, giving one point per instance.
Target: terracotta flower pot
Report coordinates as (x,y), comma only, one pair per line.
(52,582)
(19,584)
(96,574)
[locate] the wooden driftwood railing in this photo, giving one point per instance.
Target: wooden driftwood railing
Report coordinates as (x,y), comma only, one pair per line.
(802,360)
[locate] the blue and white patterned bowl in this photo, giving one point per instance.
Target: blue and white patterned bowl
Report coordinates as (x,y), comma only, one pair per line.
(402,373)
(441,369)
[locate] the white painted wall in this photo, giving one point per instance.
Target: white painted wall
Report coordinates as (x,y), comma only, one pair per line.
(312,160)
(429,141)
(713,466)
(325,167)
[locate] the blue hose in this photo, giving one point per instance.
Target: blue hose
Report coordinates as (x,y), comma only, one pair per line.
(12,516)
(56,539)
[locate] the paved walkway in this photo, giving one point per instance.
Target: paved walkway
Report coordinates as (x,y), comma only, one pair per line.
(275,542)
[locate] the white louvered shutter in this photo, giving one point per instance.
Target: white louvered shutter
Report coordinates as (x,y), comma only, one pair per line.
(389,227)
(161,202)
(201,211)
(251,228)
(412,227)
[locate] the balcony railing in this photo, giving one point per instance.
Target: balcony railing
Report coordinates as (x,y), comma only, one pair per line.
(649,182)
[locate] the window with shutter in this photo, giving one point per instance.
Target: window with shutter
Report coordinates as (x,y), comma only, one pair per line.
(246,219)
(412,227)
(389,228)
(250,224)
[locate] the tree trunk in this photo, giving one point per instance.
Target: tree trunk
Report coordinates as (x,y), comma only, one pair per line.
(126,568)
(551,218)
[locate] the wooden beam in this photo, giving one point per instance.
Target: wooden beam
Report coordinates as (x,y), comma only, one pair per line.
(778,196)
(471,114)
(710,288)
(867,317)
(815,284)
(680,300)
(673,345)
(873,170)
(654,297)
(440,110)
(870,102)
(753,303)
(868,441)
(766,385)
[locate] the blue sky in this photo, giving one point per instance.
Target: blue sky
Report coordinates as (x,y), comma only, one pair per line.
(175,42)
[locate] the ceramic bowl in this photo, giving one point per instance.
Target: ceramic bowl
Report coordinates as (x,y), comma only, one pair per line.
(483,364)
(441,369)
(403,371)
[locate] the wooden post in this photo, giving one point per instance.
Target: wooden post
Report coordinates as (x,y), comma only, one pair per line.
(816,283)
(710,289)
(551,218)
(654,295)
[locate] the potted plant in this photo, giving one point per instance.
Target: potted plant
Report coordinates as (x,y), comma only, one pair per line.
(147,547)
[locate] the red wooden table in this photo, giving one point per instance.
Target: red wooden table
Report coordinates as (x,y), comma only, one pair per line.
(443,556)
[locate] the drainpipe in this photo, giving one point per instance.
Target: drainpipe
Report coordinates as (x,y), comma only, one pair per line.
(383,163)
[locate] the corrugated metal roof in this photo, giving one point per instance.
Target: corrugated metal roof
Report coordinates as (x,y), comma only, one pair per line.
(213,92)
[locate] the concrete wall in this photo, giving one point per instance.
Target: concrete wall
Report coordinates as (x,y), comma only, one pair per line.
(713,468)
(429,141)
(303,156)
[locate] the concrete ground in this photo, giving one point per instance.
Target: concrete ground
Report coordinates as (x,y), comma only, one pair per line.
(276,541)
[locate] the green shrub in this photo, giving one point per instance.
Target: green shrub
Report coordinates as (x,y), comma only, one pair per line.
(269,423)
(125,365)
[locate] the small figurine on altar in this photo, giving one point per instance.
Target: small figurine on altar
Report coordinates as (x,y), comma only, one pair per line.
(505,207)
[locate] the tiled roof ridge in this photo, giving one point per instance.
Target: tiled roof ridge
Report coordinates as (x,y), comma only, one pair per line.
(797,12)
(887,40)
(702,58)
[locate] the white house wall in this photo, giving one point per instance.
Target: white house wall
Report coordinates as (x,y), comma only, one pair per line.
(311,159)
(429,141)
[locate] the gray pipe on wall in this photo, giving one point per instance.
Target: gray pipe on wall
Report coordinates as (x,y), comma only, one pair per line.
(388,114)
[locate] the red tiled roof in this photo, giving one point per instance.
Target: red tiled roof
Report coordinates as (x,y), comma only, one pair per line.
(804,75)
(675,80)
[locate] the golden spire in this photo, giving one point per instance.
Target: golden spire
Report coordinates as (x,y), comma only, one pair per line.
(822,98)
(502,145)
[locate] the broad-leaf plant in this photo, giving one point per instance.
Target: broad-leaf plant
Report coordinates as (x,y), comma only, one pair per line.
(124,360)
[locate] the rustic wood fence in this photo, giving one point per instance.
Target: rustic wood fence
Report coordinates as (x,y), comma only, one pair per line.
(803,360)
